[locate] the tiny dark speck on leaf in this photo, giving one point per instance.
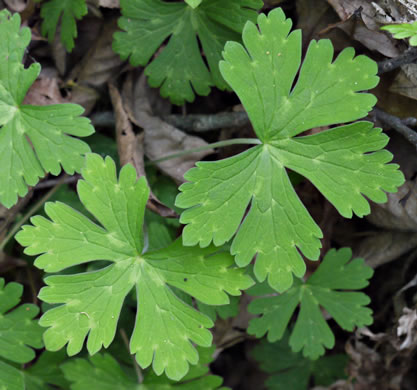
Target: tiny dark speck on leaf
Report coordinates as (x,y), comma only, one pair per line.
(185,279)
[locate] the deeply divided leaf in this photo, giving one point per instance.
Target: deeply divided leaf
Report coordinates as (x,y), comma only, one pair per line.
(290,370)
(345,163)
(166,327)
(324,289)
(179,69)
(18,330)
(33,139)
(403,30)
(67,12)
(104,372)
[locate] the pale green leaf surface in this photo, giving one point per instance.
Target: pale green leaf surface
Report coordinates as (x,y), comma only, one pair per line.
(290,370)
(18,331)
(67,12)
(311,332)
(10,377)
(345,163)
(403,30)
(165,326)
(49,128)
(179,70)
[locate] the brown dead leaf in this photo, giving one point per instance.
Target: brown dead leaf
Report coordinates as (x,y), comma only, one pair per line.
(400,212)
(362,25)
(405,83)
(44,91)
(130,149)
(16,5)
(407,326)
(109,3)
(161,138)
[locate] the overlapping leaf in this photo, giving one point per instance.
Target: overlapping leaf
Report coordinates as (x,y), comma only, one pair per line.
(345,163)
(290,370)
(104,372)
(18,333)
(179,70)
(403,30)
(165,326)
(48,127)
(311,332)
(66,11)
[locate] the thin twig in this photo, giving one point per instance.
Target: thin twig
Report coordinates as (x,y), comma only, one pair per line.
(396,123)
(408,57)
(220,144)
(200,123)
(53,182)
(135,363)
(31,211)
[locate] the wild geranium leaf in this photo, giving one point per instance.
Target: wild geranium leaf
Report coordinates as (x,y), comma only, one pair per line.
(66,11)
(10,377)
(290,370)
(18,330)
(403,30)
(46,371)
(47,127)
(311,332)
(345,163)
(104,372)
(165,326)
(179,70)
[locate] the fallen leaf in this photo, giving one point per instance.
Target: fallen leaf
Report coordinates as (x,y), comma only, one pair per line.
(407,325)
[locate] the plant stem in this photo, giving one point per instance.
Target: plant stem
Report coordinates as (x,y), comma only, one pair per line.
(135,363)
(220,144)
(32,211)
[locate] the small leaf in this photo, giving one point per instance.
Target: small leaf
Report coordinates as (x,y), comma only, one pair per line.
(311,332)
(290,370)
(18,330)
(345,163)
(403,30)
(67,12)
(91,302)
(48,127)
(179,70)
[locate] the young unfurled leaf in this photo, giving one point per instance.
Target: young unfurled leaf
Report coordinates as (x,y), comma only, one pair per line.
(165,326)
(345,163)
(311,332)
(66,11)
(47,127)
(104,372)
(179,70)
(18,330)
(404,30)
(290,370)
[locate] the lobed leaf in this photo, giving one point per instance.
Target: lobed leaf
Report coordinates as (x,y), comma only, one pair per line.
(166,327)
(311,332)
(49,128)
(290,370)
(345,163)
(179,70)
(18,331)
(67,12)
(403,30)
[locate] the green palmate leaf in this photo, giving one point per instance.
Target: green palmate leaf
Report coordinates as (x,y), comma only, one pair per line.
(66,11)
(47,127)
(179,69)
(290,370)
(18,330)
(165,325)
(404,30)
(345,163)
(46,371)
(10,377)
(311,332)
(104,372)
